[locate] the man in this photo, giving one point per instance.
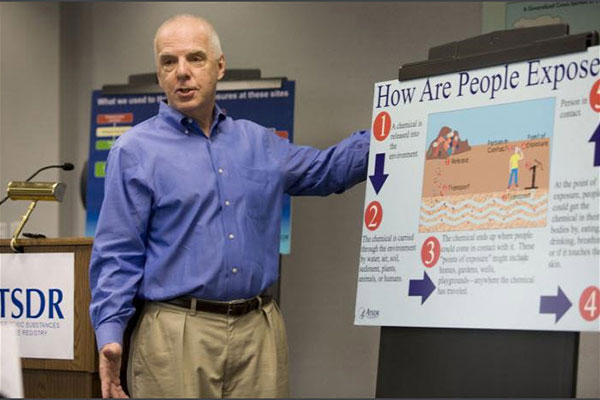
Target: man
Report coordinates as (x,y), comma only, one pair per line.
(513,166)
(190,224)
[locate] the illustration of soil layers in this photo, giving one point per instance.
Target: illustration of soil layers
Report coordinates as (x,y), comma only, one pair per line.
(487,167)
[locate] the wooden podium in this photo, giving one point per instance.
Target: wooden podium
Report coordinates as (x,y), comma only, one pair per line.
(65,378)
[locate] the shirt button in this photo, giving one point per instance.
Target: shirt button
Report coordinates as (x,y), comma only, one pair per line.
(186,131)
(227,203)
(234,270)
(231,236)
(220,170)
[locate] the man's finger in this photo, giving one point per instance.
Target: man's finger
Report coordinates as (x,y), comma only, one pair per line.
(106,381)
(118,393)
(105,388)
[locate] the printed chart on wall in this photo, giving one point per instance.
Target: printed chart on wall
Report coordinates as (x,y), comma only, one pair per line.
(113,115)
(482,205)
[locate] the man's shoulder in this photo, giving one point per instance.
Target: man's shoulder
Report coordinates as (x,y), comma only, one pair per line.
(246,123)
(137,135)
(250,128)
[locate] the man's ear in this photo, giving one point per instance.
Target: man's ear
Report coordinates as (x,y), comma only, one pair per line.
(221,66)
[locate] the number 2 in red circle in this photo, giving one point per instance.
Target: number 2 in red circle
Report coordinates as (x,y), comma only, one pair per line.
(381,126)
(594,97)
(373,215)
(430,251)
(589,306)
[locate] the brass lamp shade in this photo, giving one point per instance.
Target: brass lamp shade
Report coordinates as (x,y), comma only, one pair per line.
(36,191)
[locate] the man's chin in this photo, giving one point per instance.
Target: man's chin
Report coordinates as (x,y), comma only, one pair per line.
(185,107)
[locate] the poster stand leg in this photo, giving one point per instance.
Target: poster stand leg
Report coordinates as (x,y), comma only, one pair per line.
(428,362)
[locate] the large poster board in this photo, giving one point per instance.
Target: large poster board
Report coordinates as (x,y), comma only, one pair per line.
(113,115)
(482,209)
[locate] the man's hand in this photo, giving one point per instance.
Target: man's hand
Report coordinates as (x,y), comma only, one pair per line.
(110,369)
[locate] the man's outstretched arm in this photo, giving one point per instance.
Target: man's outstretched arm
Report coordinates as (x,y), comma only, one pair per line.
(310,171)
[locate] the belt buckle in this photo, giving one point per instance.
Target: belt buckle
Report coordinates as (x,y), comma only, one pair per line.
(193,305)
(232,303)
(260,303)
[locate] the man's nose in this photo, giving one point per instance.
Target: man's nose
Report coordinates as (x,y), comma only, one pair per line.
(183,70)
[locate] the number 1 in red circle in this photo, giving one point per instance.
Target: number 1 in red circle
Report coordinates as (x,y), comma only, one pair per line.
(430,251)
(373,215)
(381,126)
(589,306)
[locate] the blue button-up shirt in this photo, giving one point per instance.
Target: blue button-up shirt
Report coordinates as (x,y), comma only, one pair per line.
(189,215)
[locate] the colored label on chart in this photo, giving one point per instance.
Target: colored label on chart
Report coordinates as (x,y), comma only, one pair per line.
(100,169)
(104,144)
(110,131)
(118,118)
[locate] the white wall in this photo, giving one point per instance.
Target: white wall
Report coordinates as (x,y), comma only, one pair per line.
(29,124)
(334,51)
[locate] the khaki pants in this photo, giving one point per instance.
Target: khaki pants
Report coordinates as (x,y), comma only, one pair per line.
(177,352)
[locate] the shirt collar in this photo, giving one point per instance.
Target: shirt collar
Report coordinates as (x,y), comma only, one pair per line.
(183,123)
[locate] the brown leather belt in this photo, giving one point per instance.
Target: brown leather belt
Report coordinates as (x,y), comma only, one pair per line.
(235,307)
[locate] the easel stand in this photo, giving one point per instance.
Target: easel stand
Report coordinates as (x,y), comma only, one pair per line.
(424,362)
(427,362)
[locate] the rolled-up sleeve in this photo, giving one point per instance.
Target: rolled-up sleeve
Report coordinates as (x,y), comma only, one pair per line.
(118,254)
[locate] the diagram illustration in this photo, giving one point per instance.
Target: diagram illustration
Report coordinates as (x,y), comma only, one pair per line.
(487,167)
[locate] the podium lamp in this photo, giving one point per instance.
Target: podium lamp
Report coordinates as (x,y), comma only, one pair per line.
(33,191)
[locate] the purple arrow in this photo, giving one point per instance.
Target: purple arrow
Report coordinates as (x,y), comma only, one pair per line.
(596,138)
(378,178)
(557,305)
(421,287)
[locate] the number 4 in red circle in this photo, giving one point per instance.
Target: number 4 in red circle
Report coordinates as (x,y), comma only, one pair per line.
(589,306)
(430,251)
(373,215)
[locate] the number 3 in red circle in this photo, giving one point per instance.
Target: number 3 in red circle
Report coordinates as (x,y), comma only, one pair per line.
(373,215)
(381,126)
(430,251)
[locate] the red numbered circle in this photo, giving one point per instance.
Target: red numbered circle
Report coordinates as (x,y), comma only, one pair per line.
(595,96)
(589,303)
(430,251)
(373,215)
(381,126)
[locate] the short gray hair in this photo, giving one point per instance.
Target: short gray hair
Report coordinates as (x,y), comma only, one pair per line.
(213,39)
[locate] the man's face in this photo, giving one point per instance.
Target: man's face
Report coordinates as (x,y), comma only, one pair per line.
(188,68)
